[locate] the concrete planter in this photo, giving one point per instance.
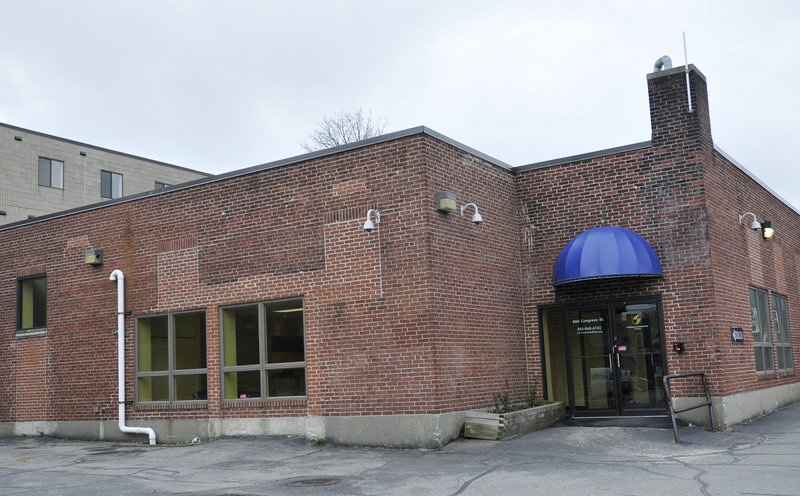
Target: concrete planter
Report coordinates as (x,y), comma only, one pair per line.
(499,426)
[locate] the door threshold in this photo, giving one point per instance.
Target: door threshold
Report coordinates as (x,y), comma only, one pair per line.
(581,417)
(651,421)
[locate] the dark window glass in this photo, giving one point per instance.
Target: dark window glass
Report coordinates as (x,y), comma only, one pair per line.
(762,331)
(264,350)
(171,357)
(32,303)
(51,173)
(44,172)
(783,338)
(110,184)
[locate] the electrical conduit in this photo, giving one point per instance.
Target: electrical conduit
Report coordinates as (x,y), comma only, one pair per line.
(120,278)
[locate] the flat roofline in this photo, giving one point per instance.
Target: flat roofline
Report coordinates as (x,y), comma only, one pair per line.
(100,148)
(584,156)
(360,144)
(755,178)
(262,167)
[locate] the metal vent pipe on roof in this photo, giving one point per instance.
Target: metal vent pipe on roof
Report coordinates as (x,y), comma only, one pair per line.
(662,64)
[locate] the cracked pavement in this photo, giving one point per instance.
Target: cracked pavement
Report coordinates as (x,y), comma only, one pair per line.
(758,458)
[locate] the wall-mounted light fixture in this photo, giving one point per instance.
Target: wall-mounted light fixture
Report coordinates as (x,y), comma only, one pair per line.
(369,226)
(767,231)
(93,257)
(445,201)
(476,218)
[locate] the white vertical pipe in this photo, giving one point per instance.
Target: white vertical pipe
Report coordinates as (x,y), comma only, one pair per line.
(118,276)
(686,67)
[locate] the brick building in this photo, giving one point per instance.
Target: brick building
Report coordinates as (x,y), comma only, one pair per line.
(255,302)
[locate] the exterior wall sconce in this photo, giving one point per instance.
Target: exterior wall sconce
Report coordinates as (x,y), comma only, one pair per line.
(767,231)
(445,201)
(93,257)
(369,226)
(476,218)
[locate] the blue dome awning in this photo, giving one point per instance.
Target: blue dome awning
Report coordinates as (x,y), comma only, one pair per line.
(605,252)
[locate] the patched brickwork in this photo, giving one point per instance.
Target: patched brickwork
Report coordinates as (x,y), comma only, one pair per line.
(420,316)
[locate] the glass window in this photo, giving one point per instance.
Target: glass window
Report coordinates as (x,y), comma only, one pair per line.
(32,303)
(51,173)
(264,350)
(783,338)
(110,184)
(171,357)
(160,185)
(762,332)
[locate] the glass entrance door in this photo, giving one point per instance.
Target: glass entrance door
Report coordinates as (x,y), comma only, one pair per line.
(589,335)
(637,350)
(604,359)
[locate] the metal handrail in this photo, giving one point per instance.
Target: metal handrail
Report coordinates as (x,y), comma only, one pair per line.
(672,411)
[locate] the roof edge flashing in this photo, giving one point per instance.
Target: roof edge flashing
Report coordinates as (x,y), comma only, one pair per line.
(585,156)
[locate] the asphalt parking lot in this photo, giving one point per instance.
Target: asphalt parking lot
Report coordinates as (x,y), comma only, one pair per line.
(758,458)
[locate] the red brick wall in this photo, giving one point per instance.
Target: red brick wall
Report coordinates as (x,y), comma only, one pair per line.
(31,384)
(657,192)
(375,338)
(476,295)
(742,258)
(429,313)
(684,198)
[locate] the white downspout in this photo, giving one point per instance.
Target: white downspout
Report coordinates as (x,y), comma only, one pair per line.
(120,278)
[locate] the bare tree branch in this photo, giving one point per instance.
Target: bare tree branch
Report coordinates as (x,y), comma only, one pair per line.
(347,126)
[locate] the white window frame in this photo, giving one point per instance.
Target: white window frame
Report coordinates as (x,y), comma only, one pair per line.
(55,173)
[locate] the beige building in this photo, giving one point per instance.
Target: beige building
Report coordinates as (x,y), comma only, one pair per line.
(43,174)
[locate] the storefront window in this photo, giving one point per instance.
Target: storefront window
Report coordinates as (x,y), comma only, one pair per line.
(556,387)
(604,358)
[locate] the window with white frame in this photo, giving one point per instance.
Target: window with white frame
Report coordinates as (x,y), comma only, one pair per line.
(51,173)
(110,184)
(263,350)
(783,338)
(171,357)
(762,332)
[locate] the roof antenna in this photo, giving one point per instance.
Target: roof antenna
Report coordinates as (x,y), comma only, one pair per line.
(686,66)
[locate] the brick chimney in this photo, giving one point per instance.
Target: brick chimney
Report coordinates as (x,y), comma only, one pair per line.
(671,122)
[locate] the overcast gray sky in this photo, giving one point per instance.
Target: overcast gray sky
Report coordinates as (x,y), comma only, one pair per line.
(218,86)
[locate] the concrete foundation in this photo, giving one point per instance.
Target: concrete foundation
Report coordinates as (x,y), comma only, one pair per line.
(401,431)
(738,408)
